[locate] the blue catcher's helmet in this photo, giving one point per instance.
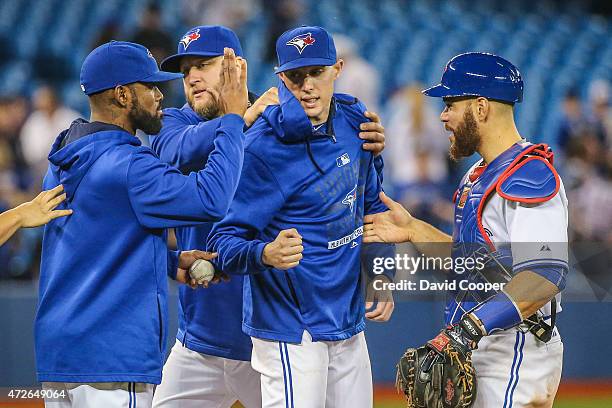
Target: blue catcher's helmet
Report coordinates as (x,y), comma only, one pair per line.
(479,74)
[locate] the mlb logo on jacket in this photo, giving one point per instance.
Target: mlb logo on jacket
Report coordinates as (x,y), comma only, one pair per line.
(343,160)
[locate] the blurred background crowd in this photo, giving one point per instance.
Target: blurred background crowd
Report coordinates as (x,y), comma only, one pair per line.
(392,49)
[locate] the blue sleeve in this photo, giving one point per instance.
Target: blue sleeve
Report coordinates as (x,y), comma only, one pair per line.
(236,237)
(373,187)
(373,205)
(554,273)
(379,165)
(162,197)
(173,262)
(184,145)
(370,252)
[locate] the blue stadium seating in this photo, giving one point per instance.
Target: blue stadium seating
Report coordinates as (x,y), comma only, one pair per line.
(557,45)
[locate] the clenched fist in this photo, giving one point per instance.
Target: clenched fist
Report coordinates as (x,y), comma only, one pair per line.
(285,251)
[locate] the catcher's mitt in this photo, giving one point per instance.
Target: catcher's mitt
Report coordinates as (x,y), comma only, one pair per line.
(439,374)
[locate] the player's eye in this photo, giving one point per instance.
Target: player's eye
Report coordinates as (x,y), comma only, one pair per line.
(293,77)
(185,69)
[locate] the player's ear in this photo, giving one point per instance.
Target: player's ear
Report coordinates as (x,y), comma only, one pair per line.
(338,67)
(284,78)
(122,96)
(482,108)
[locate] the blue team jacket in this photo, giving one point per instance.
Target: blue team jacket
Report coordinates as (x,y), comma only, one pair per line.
(102,311)
(209,319)
(321,183)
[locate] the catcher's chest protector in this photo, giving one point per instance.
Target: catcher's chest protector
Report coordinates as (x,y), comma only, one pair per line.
(477,187)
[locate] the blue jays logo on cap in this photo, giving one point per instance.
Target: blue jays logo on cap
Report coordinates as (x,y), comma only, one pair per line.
(190,37)
(214,40)
(302,41)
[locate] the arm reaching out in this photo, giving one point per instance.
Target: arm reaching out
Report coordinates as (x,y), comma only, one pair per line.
(270,97)
(397,225)
(33,213)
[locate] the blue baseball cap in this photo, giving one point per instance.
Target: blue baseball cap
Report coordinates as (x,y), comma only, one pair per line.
(120,63)
(304,47)
(203,41)
(479,74)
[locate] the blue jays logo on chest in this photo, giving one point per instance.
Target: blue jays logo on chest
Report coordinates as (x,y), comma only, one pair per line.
(350,198)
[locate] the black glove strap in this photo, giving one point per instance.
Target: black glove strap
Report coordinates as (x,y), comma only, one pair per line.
(470,332)
(539,328)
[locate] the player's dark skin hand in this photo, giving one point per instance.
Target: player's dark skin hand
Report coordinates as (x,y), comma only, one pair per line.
(374,134)
(186,259)
(285,251)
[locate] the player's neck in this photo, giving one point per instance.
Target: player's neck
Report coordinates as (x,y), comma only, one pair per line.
(495,143)
(112,119)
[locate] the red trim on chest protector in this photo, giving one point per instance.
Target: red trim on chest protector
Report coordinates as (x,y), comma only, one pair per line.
(535,200)
(539,149)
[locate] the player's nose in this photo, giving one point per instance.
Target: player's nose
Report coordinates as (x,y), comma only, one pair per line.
(444,115)
(159,96)
(192,76)
(308,83)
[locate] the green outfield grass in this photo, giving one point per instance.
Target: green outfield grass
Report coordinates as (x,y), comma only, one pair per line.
(576,402)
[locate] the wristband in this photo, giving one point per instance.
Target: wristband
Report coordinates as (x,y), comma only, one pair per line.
(498,313)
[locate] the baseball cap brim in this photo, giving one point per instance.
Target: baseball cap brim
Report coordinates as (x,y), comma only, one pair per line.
(161,76)
(173,62)
(305,62)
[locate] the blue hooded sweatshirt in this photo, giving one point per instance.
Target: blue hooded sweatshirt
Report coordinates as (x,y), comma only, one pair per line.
(102,312)
(321,182)
(209,319)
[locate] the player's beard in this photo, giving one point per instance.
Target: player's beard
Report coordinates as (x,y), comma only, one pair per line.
(466,137)
(143,120)
(209,110)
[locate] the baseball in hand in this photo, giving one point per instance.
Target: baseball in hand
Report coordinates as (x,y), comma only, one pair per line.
(202,271)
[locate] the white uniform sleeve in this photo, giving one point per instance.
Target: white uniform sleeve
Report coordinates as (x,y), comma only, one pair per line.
(538,232)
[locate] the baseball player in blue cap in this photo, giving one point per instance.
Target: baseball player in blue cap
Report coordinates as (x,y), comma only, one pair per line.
(511,211)
(102,315)
(294,228)
(210,361)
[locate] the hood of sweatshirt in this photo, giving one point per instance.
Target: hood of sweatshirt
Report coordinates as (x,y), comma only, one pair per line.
(77,148)
(291,124)
(288,120)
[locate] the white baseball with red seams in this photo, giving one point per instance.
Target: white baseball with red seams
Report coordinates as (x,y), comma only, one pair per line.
(202,271)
